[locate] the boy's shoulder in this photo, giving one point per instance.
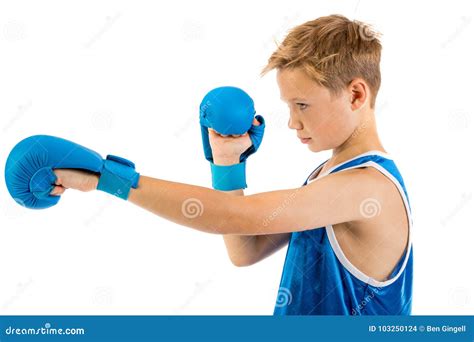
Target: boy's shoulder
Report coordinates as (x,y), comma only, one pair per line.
(369,188)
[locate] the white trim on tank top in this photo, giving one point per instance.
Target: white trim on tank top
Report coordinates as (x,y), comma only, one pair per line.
(330,230)
(368,153)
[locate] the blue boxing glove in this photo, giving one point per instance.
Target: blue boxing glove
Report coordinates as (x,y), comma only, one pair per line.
(29,168)
(229,111)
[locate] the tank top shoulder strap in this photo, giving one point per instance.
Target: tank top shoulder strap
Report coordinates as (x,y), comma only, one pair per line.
(382,162)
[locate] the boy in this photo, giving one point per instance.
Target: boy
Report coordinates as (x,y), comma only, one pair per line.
(348,226)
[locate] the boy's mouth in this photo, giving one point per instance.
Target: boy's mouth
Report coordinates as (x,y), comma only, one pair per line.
(305,140)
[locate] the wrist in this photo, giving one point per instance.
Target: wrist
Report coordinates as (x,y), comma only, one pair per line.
(226,161)
(94,181)
(117,176)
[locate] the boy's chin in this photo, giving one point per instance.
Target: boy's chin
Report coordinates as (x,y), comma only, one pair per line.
(314,147)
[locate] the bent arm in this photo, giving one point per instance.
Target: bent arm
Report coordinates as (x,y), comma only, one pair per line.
(246,250)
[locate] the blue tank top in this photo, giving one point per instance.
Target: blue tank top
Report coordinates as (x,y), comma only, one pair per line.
(318,279)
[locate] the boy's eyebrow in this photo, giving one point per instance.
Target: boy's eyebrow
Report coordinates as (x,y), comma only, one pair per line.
(294,99)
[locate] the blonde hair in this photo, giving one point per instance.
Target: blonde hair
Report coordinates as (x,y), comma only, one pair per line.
(332,50)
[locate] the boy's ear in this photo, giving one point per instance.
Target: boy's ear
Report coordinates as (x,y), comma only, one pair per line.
(359,93)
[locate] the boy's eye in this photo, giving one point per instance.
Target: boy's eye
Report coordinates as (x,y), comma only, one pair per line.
(302,105)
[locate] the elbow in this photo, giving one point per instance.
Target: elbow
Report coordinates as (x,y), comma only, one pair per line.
(238,263)
(242,262)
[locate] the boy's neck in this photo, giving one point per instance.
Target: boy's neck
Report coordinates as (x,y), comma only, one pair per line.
(364,138)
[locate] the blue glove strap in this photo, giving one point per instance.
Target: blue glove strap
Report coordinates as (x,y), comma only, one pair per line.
(256,135)
(227,178)
(118,176)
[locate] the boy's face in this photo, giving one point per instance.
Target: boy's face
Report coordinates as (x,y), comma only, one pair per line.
(328,121)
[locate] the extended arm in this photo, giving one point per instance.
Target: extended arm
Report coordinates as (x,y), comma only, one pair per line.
(330,200)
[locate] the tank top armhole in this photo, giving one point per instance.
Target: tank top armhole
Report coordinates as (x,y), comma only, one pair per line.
(340,254)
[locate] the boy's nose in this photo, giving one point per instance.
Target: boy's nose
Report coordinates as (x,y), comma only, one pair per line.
(293,124)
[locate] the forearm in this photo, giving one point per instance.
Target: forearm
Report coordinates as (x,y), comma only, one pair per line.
(193,206)
(245,250)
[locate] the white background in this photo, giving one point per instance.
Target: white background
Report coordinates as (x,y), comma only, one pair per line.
(127,77)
